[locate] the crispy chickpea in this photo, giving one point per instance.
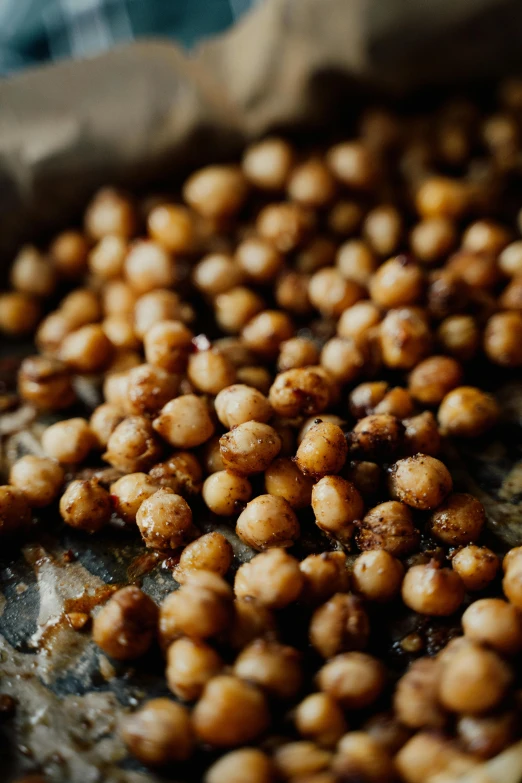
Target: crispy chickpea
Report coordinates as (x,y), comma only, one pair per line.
(271,666)
(405,339)
(331,293)
(51,332)
(486,735)
(129,492)
(365,397)
(164,520)
(459,520)
(485,236)
(322,450)
(382,229)
(377,575)
(19,313)
(426,755)
(230,712)
(225,492)
(389,526)
(216,274)
(154,307)
(190,665)
(172,226)
(125,627)
(356,321)
(82,307)
(337,504)
(396,402)
(343,358)
(159,733)
(339,625)
(378,435)
(259,260)
(268,521)
(319,718)
(397,283)
(511,297)
(120,331)
(291,292)
(447,293)
(459,336)
(39,478)
(286,225)
(495,623)
(86,505)
(477,566)
(252,620)
(210,552)
(362,757)
(353,679)
(300,761)
(212,459)
(238,404)
(216,191)
(110,212)
(133,446)
(421,434)
(477,270)
(118,298)
(210,371)
(324,575)
(107,258)
(149,388)
(423,482)
(352,164)
(366,476)
(68,252)
(297,352)
(428,589)
(272,578)
(185,422)
(432,239)
(356,261)
(301,391)
(46,383)
(416,698)
(311,184)
(442,197)
(15,512)
(283,479)
(503,339)
(148,266)
(200,608)
(115,389)
(510,259)
(32,274)
(87,350)
(473,680)
(512,582)
(237,307)
(265,332)
(467,412)
(238,766)
(68,441)
(267,164)
(433,378)
(250,447)
(104,420)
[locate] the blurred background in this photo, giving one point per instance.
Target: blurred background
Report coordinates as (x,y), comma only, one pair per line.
(33,32)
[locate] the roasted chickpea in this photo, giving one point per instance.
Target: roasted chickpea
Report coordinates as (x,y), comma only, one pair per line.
(365,397)
(511,297)
(39,478)
(433,378)
(442,197)
(416,697)
(352,164)
(356,261)
(118,298)
(15,512)
(339,625)
(267,165)
(366,476)
(405,339)
(286,225)
(485,236)
(421,482)
(272,578)
(46,383)
(358,320)
(68,252)
(382,228)
(32,274)
(467,412)
(237,307)
(337,505)
(512,582)
(149,388)
(473,680)
(210,552)
(249,447)
(510,259)
(68,441)
(159,733)
(378,435)
(155,307)
(148,266)
(324,575)
(319,718)
(477,270)
(389,526)
(428,589)
(322,450)
(129,492)
(86,505)
(268,521)
(477,566)
(259,260)
(311,184)
(125,627)
(291,292)
(19,313)
(110,212)
(87,350)
(273,667)
(133,445)
(377,575)
(190,665)
(200,608)
(164,519)
(300,760)
(51,332)
(459,335)
(301,391)
(397,283)
(238,404)
(459,520)
(210,371)
(283,479)
(185,422)
(331,293)
(432,239)
(495,623)
(241,765)
(265,332)
(343,359)
(427,754)
(225,492)
(503,339)
(216,274)
(361,756)
(167,345)
(252,620)
(296,353)
(486,735)
(354,679)
(216,191)
(230,712)
(107,258)
(421,434)
(447,293)
(172,226)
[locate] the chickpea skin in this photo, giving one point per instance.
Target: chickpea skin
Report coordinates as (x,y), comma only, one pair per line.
(210,371)
(428,589)
(378,435)
(459,520)
(125,627)
(230,712)
(273,667)
(39,478)
(297,392)
(353,679)
(159,733)
(87,350)
(377,575)
(200,608)
(337,504)
(86,505)
(226,492)
(283,479)
(149,389)
(68,441)
(433,378)
(503,339)
(323,450)
(477,566)
(190,665)
(46,383)
(210,552)
(495,623)
(473,680)
(239,766)
(405,339)
(397,283)
(250,447)
(15,512)
(273,578)
(184,422)
(167,345)
(319,718)
(129,492)
(104,420)
(133,445)
(238,404)
(339,625)
(324,575)
(164,520)
(416,698)
(268,521)
(467,412)
(421,481)
(389,526)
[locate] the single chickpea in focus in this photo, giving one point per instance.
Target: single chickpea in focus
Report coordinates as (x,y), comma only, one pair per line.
(337,504)
(39,478)
(311,184)
(301,391)
(87,350)
(428,589)
(296,353)
(356,261)
(467,412)
(291,292)
(353,679)
(421,482)
(149,266)
(319,718)
(433,378)
(323,450)
(324,575)
(31,273)
(361,756)
(237,307)
(286,225)
(382,229)
(432,239)
(416,698)
(154,307)
(268,521)
(473,680)
(159,733)
(339,625)
(238,766)
(171,225)
(149,388)
(495,623)
(249,447)
(164,520)
(377,575)
(503,339)
(210,371)
(133,445)
(356,321)
(200,608)
(265,332)
(46,383)
(378,435)
(15,512)
(230,712)
(190,665)
(19,313)
(225,493)
(510,259)
(259,260)
(283,479)
(185,422)
(267,165)
(300,761)
(389,526)
(216,191)
(68,252)
(107,258)
(216,274)
(272,578)
(86,505)
(459,520)
(129,492)
(459,336)
(405,339)
(477,566)
(442,197)
(331,293)
(273,667)
(68,441)
(353,165)
(485,236)
(125,627)
(210,552)
(110,212)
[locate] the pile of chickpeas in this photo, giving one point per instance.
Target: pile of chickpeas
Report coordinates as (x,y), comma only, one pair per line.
(285,349)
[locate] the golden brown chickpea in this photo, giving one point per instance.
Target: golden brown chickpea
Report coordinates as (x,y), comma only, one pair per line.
(366,476)
(432,239)
(300,761)
(252,620)
(416,697)
(467,412)
(442,197)
(172,226)
(19,313)
(164,520)
(107,258)
(378,435)
(15,512)
(477,566)
(45,383)
(447,293)
(322,450)
(286,225)
(428,589)
(115,389)
(68,441)
(268,521)
(357,321)
(271,666)
(199,609)
(377,575)
(343,359)
(185,422)
(311,184)
(118,298)
(129,492)
(110,212)
(382,229)
(104,420)
(503,339)
(154,307)
(511,297)
(421,434)
(86,505)
(362,757)
(82,307)
(512,558)
(319,718)
(149,388)
(210,552)
(433,378)
(387,730)
(495,623)
(216,274)
(230,712)
(265,332)
(238,766)
(283,479)
(339,625)
(133,445)
(267,164)
(149,266)
(365,397)
(396,402)
(356,261)
(159,733)
(125,627)
(512,583)
(120,331)
(250,447)
(237,307)
(389,526)
(226,493)
(258,259)
(87,350)
(485,236)
(354,679)
(423,482)
(51,332)
(473,680)
(211,456)
(296,353)
(216,191)
(345,217)
(459,520)
(272,578)
(510,259)
(426,755)
(459,336)
(331,293)
(337,505)
(291,292)
(301,391)
(477,270)
(210,371)
(487,735)
(190,665)
(352,164)
(405,339)
(68,252)
(324,575)
(39,478)
(31,273)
